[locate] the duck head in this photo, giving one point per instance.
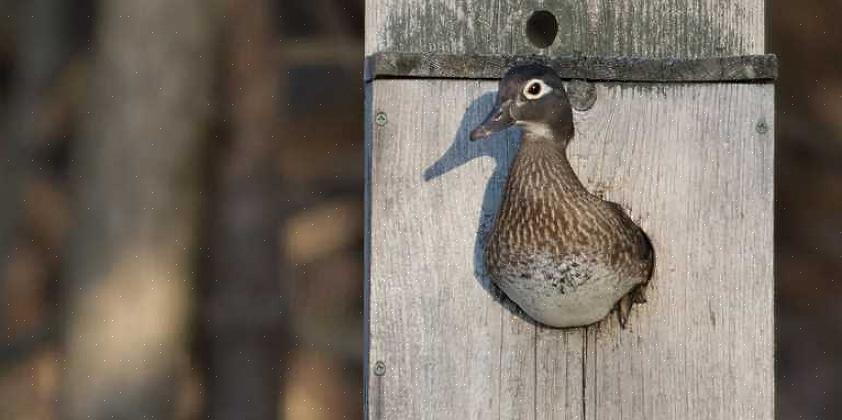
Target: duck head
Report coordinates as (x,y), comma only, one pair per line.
(532,97)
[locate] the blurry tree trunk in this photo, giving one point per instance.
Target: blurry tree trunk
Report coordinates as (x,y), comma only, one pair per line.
(245,327)
(42,49)
(130,278)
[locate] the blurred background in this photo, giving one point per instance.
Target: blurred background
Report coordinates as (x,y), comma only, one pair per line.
(181,208)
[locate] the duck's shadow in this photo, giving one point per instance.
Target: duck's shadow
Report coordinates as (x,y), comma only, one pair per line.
(502,147)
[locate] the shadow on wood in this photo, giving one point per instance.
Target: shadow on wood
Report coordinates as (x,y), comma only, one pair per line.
(502,149)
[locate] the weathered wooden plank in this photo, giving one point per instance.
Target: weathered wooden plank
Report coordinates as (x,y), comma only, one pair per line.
(559,374)
(752,68)
(693,163)
(448,346)
(668,28)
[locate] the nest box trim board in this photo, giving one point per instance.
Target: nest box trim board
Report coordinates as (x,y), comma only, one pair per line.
(761,68)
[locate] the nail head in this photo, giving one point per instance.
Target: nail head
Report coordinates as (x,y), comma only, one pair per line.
(380,119)
(762,127)
(379,368)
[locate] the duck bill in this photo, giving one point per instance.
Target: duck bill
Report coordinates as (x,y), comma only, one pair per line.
(498,120)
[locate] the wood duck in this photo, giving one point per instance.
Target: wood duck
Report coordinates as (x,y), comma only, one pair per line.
(562,254)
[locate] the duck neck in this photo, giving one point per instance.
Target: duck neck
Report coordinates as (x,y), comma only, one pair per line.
(542,159)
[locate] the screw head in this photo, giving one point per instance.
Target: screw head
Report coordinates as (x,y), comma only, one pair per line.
(379,368)
(380,119)
(762,127)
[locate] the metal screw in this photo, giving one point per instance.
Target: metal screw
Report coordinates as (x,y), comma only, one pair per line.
(379,368)
(762,127)
(380,119)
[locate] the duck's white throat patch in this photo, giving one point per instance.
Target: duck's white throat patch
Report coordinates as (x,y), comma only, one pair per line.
(536,128)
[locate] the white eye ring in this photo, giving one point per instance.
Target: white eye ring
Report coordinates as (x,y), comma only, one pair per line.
(536,89)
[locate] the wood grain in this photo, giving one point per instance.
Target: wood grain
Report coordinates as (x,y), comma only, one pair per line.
(694,170)
(668,28)
(692,163)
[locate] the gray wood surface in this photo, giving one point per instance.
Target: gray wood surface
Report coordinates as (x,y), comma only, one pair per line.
(630,69)
(667,28)
(692,163)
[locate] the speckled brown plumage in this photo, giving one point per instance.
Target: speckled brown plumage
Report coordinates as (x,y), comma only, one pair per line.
(565,256)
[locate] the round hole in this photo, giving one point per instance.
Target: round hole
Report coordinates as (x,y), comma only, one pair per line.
(541,28)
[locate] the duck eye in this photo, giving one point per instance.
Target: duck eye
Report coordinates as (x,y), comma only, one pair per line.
(536,88)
